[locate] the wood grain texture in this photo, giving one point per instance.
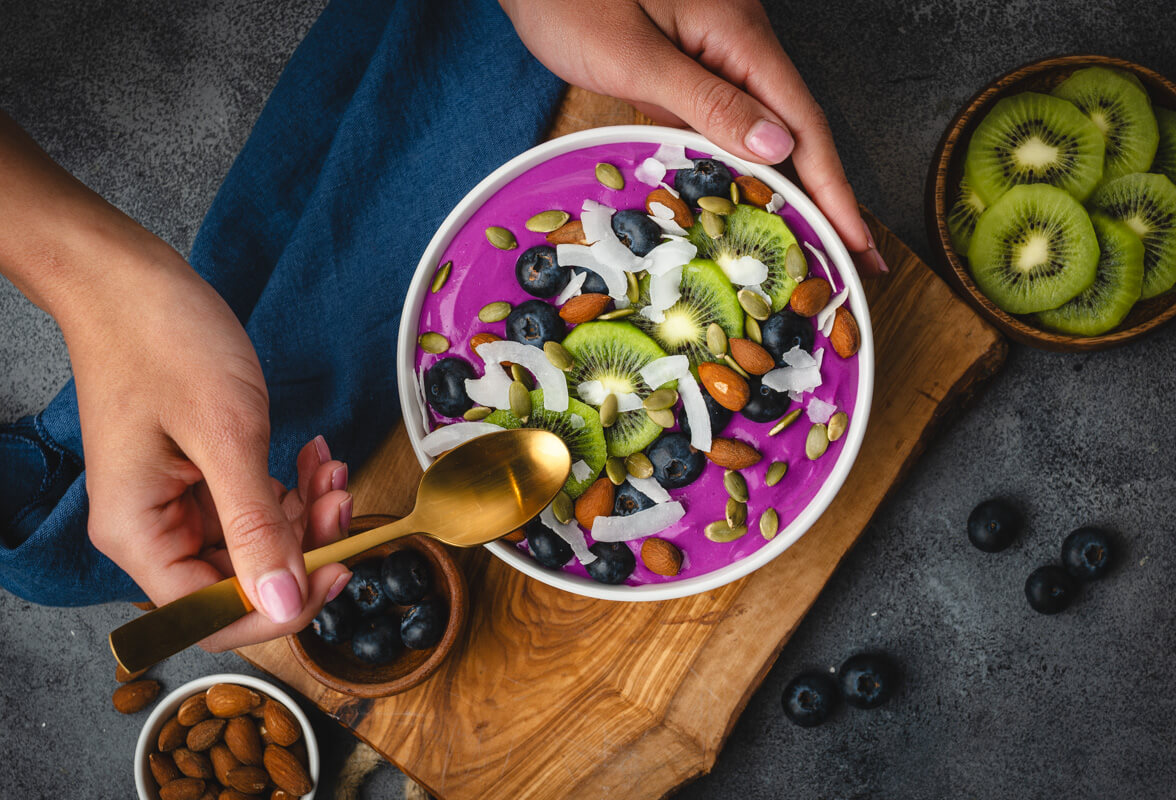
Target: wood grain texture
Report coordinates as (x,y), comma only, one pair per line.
(549,694)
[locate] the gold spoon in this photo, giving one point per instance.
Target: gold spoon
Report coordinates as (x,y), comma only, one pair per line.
(473,494)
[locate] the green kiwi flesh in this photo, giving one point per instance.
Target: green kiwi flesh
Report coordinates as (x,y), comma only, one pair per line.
(1034,138)
(1117,284)
(1033,249)
(585,440)
(961,219)
(1146,203)
(1121,110)
(707,296)
(751,231)
(1165,161)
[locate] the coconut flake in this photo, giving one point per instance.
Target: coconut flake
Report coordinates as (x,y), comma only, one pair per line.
(661,371)
(801,374)
(551,378)
(575,285)
(421,398)
(818,357)
(745,270)
(825,315)
(660,210)
(775,204)
(593,393)
(578,255)
(668,255)
(650,488)
(581,471)
(673,192)
(645,522)
(606,246)
(577,422)
(451,436)
(694,405)
(570,532)
(664,291)
(824,262)
(819,411)
(673,156)
(668,226)
(492,389)
(651,171)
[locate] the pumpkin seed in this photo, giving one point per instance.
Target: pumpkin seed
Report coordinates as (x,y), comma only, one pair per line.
(776,473)
(733,364)
(751,327)
(837,425)
(501,238)
(795,264)
(520,400)
(734,192)
(617,313)
(608,411)
(716,339)
(433,342)
(559,356)
(441,276)
(563,508)
(520,374)
(817,442)
(785,421)
(494,312)
(639,465)
(634,289)
(720,531)
(547,221)
(662,398)
(716,205)
(736,513)
(712,223)
(769,523)
(615,469)
(756,307)
(736,485)
(477,413)
(662,416)
(609,176)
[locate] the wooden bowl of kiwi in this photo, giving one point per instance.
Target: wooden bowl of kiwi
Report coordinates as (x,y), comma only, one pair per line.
(1105,314)
(335,666)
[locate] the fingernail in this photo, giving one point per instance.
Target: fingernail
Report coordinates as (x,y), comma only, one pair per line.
(320,447)
(769,141)
(869,236)
(339,478)
(880,261)
(281,599)
(345,516)
(338,586)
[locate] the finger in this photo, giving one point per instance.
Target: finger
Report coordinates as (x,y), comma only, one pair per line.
(328,519)
(659,115)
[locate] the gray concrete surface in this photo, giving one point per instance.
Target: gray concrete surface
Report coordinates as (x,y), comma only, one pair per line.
(149,106)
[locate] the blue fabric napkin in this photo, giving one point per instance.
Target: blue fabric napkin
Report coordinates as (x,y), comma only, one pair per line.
(387,114)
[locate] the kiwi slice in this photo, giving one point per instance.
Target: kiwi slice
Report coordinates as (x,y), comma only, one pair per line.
(1165,161)
(961,219)
(1123,113)
(707,296)
(1147,204)
(751,231)
(614,353)
(1033,249)
(1117,283)
(1034,138)
(579,427)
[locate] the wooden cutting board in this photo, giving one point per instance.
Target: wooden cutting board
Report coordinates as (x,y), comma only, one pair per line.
(552,695)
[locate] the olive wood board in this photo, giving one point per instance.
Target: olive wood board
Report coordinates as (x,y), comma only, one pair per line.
(552,695)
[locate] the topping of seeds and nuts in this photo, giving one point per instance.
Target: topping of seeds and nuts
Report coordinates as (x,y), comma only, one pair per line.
(609,176)
(662,398)
(810,296)
(712,223)
(639,466)
(682,213)
(716,340)
(756,306)
(776,473)
(547,221)
(769,523)
(736,513)
(795,264)
(720,531)
(845,338)
(608,411)
(755,191)
(477,413)
(785,421)
(662,416)
(558,355)
(440,277)
(571,232)
(562,507)
(751,327)
(520,400)
(716,205)
(432,342)
(733,364)
(616,469)
(817,442)
(495,312)
(617,313)
(501,238)
(736,485)
(752,357)
(837,425)
(661,557)
(520,374)
(584,308)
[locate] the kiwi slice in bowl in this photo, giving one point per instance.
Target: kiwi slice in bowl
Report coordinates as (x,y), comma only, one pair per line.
(1165,160)
(1147,204)
(1034,138)
(706,296)
(1117,284)
(751,231)
(614,353)
(961,219)
(1122,111)
(1033,249)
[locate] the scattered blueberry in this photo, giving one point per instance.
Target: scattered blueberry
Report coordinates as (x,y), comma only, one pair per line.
(546,546)
(424,624)
(627,500)
(707,178)
(993,525)
(867,679)
(445,386)
(1050,589)
(764,403)
(785,330)
(539,273)
(593,284)
(535,323)
(719,417)
(405,576)
(614,562)
(636,230)
(364,588)
(1086,553)
(809,699)
(377,640)
(675,463)
(335,623)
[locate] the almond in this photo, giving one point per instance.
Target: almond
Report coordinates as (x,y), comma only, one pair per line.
(283,727)
(810,296)
(584,308)
(661,557)
(682,214)
(250,780)
(481,338)
(133,697)
(231,700)
(171,736)
(210,792)
(724,384)
(597,501)
(568,233)
(182,789)
(193,765)
(163,769)
(845,336)
(282,794)
(299,751)
(233,794)
(223,761)
(193,710)
(754,190)
(285,770)
(122,676)
(751,356)
(733,454)
(514,537)
(205,734)
(243,740)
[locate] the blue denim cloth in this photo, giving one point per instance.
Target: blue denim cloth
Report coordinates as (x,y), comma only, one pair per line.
(386,115)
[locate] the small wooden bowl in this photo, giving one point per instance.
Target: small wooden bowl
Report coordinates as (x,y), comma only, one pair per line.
(947,168)
(335,666)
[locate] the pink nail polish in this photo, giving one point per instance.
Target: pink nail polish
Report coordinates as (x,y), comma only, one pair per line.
(339,478)
(769,141)
(320,447)
(280,597)
(345,515)
(338,586)
(869,236)
(880,262)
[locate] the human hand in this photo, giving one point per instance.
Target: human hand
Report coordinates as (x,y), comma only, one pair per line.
(715,66)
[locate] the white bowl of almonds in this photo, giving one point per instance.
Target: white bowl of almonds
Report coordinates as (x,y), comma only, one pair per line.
(688,323)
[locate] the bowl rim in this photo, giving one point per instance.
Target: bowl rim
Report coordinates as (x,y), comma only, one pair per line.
(171,703)
(840,261)
(962,124)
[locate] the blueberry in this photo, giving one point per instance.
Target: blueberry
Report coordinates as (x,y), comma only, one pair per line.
(593,284)
(764,403)
(1050,589)
(636,230)
(538,272)
(719,417)
(707,178)
(867,679)
(546,546)
(1086,553)
(405,576)
(627,500)
(675,464)
(783,331)
(377,641)
(614,562)
(445,386)
(993,525)
(335,623)
(809,699)
(365,590)
(536,323)
(424,624)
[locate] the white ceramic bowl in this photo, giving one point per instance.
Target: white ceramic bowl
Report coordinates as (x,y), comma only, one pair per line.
(145,783)
(406,351)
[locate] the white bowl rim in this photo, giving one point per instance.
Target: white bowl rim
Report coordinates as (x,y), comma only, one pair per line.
(148,735)
(830,242)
